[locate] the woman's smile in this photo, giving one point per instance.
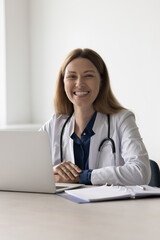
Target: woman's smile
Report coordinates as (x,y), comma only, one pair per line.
(81,94)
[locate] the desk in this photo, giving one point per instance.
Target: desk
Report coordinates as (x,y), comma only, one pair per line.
(27,216)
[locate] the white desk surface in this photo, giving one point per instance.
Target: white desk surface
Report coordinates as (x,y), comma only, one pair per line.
(27,216)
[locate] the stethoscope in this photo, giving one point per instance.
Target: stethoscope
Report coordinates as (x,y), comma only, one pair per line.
(108,138)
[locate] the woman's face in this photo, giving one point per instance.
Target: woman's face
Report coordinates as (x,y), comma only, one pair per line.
(82,82)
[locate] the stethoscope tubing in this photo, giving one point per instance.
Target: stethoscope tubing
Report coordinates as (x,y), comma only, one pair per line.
(61,136)
(108,138)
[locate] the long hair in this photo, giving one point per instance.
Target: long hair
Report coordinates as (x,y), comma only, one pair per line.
(105,102)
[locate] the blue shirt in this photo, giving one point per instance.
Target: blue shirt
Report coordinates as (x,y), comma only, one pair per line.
(81,151)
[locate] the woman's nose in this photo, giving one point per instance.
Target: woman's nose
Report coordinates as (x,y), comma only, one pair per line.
(79,81)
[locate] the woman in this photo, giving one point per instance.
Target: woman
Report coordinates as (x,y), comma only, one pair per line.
(100,142)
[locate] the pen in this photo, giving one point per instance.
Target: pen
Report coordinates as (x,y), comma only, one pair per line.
(141,187)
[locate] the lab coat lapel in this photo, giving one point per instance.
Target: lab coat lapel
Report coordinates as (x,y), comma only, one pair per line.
(68,141)
(96,139)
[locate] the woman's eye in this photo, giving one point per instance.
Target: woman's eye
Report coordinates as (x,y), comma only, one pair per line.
(89,75)
(71,76)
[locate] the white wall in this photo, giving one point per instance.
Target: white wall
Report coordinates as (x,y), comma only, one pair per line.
(18,103)
(126,33)
(2,65)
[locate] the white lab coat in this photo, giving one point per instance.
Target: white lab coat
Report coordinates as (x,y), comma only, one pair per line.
(128,166)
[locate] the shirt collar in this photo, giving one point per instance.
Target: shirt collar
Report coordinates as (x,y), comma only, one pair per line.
(88,129)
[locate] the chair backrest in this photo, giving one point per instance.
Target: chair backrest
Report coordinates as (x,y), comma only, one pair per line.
(155,174)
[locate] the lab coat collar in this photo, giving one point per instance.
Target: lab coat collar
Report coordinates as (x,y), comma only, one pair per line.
(71,125)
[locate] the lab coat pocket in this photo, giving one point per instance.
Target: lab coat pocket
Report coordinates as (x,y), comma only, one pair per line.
(106,156)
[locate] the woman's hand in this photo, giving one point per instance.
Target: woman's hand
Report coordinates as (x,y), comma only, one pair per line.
(66,172)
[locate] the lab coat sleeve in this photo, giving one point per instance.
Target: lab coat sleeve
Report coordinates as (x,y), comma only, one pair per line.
(49,127)
(136,168)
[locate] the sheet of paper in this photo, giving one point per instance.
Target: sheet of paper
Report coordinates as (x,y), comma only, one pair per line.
(143,191)
(100,193)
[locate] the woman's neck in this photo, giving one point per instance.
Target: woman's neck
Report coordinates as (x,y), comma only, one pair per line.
(82,117)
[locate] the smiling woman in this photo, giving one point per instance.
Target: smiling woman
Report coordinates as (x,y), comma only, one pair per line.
(105,101)
(82,84)
(94,140)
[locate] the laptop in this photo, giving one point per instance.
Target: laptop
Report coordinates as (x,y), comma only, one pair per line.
(26,163)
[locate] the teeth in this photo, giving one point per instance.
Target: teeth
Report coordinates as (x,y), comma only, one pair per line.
(80,93)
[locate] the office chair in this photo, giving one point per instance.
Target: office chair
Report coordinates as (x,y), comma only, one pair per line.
(155,174)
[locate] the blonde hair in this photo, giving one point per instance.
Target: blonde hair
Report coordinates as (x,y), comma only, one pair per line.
(105,102)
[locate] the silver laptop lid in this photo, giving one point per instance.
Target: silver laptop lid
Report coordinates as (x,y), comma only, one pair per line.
(25,162)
